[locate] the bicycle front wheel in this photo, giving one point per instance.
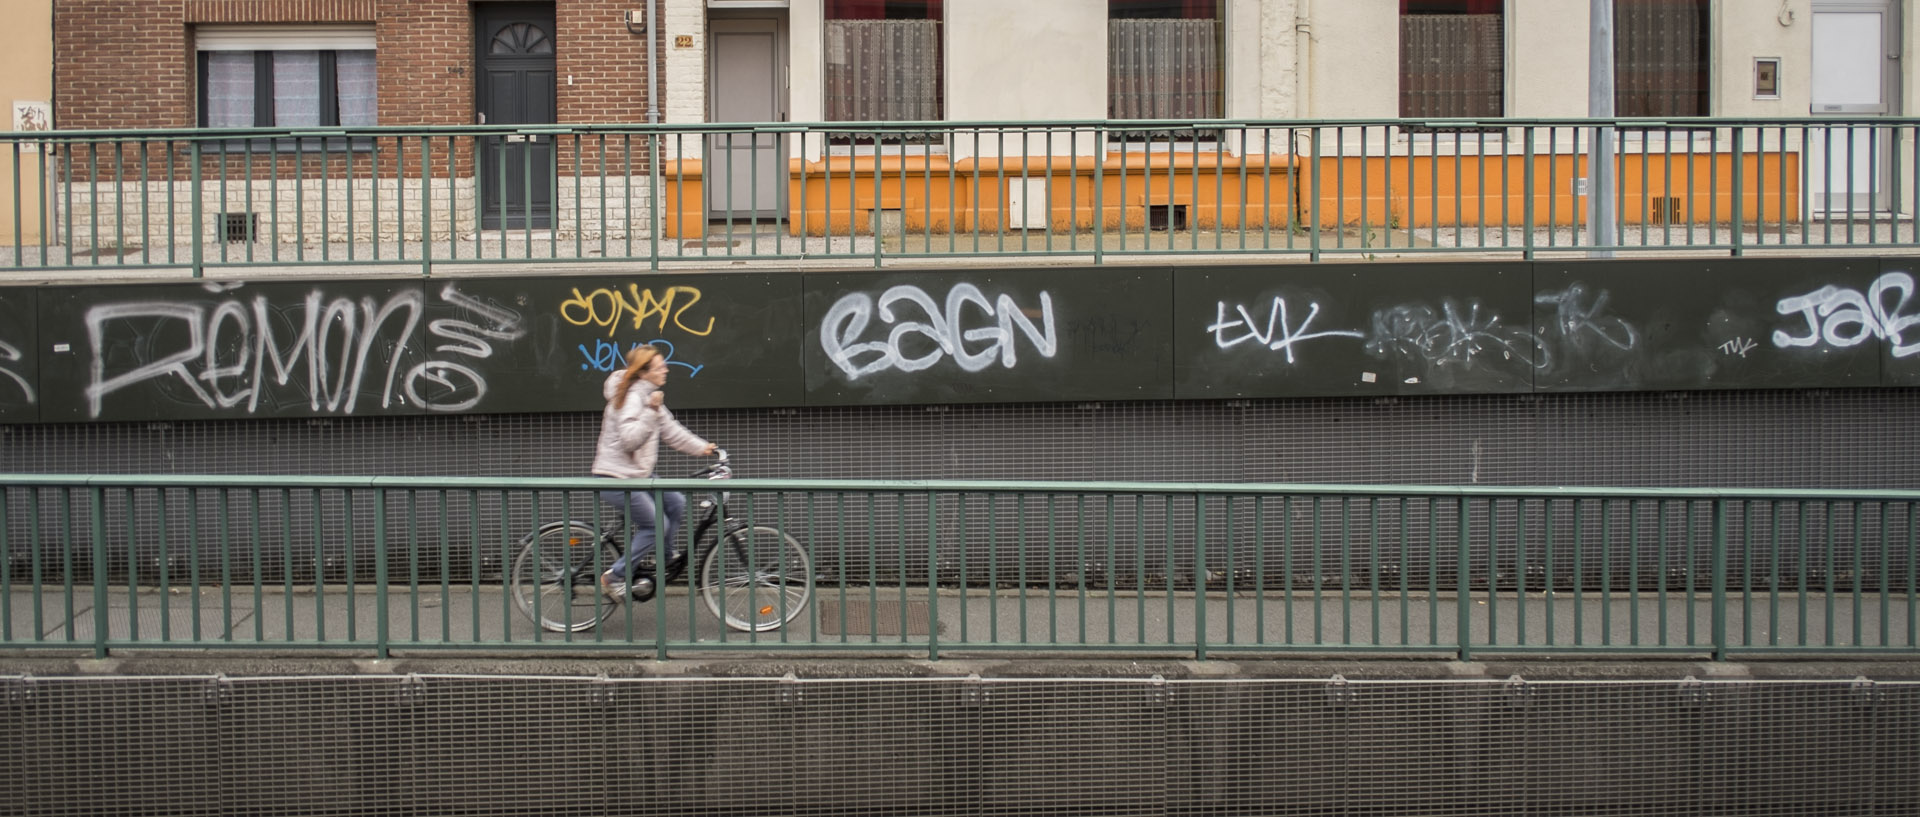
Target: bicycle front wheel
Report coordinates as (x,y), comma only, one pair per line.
(556,578)
(757,579)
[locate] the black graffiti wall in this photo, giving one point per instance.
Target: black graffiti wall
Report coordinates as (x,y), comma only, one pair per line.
(741,340)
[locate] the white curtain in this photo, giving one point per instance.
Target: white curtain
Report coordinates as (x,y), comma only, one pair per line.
(296,88)
(1163,69)
(357,89)
(230,89)
(883,70)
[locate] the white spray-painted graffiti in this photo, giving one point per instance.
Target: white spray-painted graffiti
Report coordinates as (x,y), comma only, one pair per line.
(1739,346)
(1454,335)
(1844,317)
(11,354)
(231,353)
(1458,335)
(1577,319)
(1277,321)
(841,329)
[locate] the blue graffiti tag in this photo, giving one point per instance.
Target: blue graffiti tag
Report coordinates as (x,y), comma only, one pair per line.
(606,356)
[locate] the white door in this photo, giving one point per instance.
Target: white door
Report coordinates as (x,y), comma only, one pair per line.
(746,177)
(1856,48)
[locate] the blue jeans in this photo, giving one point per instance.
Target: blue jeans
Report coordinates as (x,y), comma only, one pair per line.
(636,510)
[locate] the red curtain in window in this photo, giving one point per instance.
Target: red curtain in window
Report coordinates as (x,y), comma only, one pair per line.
(883,9)
(1450,6)
(1187,9)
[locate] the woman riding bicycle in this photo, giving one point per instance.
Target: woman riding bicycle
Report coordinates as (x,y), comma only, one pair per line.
(632,426)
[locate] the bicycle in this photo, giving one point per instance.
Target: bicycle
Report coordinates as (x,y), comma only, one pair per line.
(760,581)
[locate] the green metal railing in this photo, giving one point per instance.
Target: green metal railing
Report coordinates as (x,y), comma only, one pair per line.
(380,565)
(427,198)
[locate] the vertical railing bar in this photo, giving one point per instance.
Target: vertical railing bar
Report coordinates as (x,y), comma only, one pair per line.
(39,571)
(1286,564)
(195,201)
(1773,535)
(353,622)
(426,214)
(1406,572)
(1885,621)
(1549,586)
(1859,537)
(133,560)
(1801,593)
(873,574)
(1259,561)
(319,571)
(1463,623)
(1606,549)
(960,541)
(1313,227)
(193,561)
(226,568)
(1080,530)
(1100,231)
(1319,570)
(93,203)
(1173,583)
(1553,188)
(1579,571)
(1633,564)
(381,613)
(1831,546)
(1340,191)
(1346,571)
(1493,563)
(1720,580)
(1739,171)
(1199,516)
(1480,163)
(286,559)
(120,208)
(1373,567)
(101,619)
(6,548)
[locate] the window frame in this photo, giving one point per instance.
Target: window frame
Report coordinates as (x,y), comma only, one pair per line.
(1412,133)
(263,102)
(1181,140)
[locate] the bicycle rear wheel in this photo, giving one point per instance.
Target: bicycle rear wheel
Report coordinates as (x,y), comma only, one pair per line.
(757,579)
(556,578)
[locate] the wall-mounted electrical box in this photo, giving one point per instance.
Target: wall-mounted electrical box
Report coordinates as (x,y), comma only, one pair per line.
(1766,78)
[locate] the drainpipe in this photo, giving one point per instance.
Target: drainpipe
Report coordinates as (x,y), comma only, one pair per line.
(656,181)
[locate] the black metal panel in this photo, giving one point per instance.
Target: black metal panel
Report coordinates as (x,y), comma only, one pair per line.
(19,355)
(729,338)
(1707,324)
(207,350)
(987,336)
(1360,329)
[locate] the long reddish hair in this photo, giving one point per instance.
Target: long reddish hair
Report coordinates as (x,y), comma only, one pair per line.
(637,359)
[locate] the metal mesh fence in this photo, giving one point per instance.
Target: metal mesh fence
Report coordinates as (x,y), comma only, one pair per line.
(439,745)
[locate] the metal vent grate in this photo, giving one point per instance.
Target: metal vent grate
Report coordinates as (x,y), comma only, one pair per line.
(954,746)
(238,228)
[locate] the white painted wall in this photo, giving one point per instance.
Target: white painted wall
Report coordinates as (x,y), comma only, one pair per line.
(1355,49)
(1743,33)
(1547,58)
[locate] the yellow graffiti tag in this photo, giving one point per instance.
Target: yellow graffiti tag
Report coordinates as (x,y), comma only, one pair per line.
(609,308)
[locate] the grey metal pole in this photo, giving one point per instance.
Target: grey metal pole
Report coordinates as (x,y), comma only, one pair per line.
(1600,170)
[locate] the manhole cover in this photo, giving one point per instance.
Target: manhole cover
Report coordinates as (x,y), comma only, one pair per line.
(860,617)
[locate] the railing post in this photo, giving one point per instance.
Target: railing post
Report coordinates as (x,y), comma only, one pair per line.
(97,513)
(1739,190)
(193,202)
(380,611)
(1199,576)
(1463,625)
(933,580)
(1719,580)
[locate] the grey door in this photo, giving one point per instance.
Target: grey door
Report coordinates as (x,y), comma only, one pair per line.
(1856,52)
(747,175)
(514,70)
